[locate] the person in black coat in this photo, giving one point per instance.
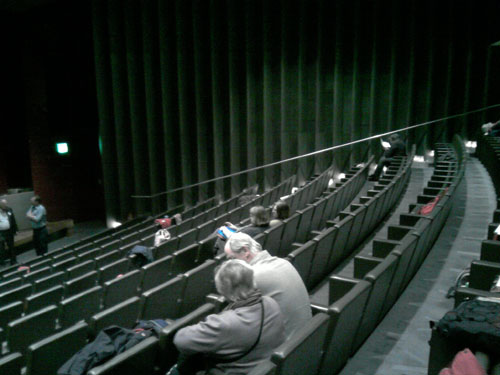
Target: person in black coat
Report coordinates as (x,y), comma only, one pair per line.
(398,148)
(8,229)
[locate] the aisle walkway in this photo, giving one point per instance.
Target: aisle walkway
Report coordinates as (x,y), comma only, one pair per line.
(399,345)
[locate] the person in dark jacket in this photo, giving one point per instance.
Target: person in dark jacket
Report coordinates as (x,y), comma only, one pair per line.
(8,229)
(398,148)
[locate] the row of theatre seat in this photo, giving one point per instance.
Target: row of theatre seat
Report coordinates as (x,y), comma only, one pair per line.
(178,296)
(482,271)
(157,354)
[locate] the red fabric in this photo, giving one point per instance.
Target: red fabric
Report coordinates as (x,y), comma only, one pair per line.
(427,209)
(464,363)
(165,223)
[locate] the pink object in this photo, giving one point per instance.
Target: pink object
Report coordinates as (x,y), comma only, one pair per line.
(464,363)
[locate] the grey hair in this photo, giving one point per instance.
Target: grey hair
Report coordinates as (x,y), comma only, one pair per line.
(239,241)
(259,215)
(234,280)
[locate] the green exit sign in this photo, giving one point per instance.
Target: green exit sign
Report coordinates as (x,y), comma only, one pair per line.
(62,148)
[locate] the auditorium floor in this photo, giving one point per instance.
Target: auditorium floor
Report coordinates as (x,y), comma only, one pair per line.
(399,345)
(80,230)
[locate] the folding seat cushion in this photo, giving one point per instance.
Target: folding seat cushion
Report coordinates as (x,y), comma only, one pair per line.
(301,353)
(11,364)
(48,355)
(199,283)
(80,307)
(31,328)
(121,288)
(124,314)
(347,299)
(163,301)
(38,301)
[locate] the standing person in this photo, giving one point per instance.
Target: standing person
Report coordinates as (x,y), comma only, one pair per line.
(38,217)
(275,277)
(8,229)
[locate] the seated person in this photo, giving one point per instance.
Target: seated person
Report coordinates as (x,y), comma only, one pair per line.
(243,335)
(280,212)
(397,148)
(259,222)
(491,128)
(275,277)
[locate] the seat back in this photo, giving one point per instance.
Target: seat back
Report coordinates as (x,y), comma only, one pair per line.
(301,353)
(80,269)
(49,282)
(380,277)
(184,259)
(482,274)
(348,299)
(10,312)
(167,347)
(11,364)
(112,270)
(139,359)
(273,238)
(163,301)
(80,284)
(304,224)
(156,273)
(199,283)
(38,274)
(16,294)
(289,233)
(41,358)
(5,286)
(43,299)
(31,328)
(121,288)
(187,238)
(326,256)
(80,307)
(301,259)
(124,314)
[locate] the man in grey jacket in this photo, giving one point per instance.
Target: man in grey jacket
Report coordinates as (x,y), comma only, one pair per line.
(275,277)
(245,333)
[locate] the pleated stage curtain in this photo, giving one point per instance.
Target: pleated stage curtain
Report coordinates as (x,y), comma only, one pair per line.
(190,90)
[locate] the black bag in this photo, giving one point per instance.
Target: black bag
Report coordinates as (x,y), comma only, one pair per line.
(475,323)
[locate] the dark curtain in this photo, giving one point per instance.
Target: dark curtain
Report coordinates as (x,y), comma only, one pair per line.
(190,90)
